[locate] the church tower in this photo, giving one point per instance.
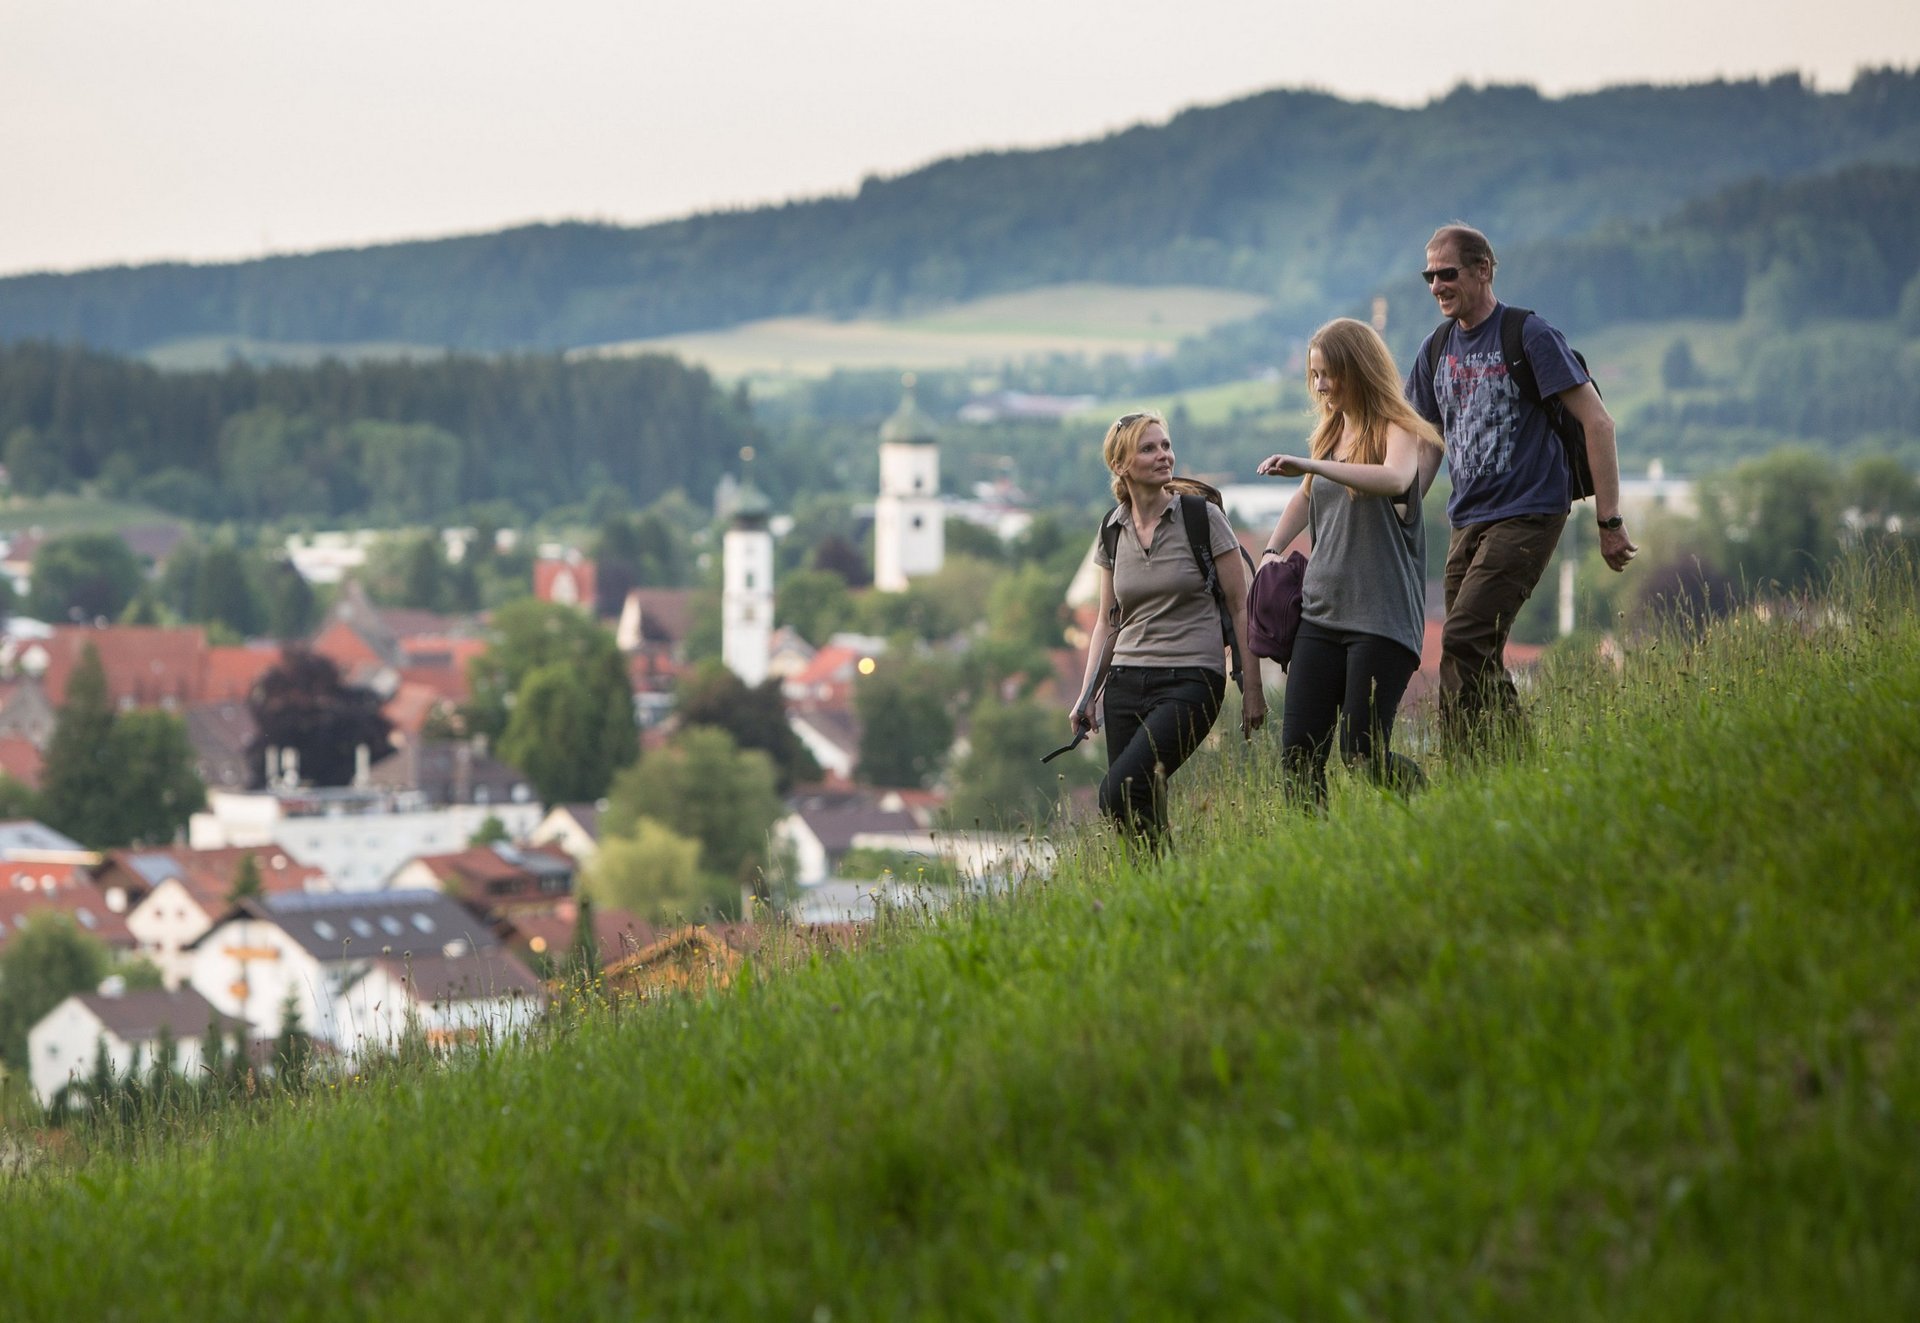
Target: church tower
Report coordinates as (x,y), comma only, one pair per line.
(909,528)
(746,597)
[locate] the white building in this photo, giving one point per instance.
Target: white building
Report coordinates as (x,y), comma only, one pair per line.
(357,837)
(909,522)
(746,597)
(363,968)
(63,1046)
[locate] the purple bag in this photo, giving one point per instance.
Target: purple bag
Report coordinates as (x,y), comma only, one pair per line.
(1273,606)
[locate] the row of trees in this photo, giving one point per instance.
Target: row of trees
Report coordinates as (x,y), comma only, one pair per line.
(390,442)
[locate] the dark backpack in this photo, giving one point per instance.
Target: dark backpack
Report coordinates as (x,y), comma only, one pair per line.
(1194,497)
(1572,434)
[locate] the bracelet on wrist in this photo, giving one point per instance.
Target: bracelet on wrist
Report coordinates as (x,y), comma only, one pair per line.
(1269,552)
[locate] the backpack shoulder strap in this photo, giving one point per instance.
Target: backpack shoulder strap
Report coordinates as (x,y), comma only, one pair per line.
(1513,348)
(1193,512)
(1110,535)
(1437,348)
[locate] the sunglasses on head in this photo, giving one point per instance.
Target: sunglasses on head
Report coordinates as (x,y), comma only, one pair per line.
(1446,273)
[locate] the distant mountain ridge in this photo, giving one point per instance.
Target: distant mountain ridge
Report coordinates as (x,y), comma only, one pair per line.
(1299,196)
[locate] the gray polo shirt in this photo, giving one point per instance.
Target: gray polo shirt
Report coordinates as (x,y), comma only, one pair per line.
(1167,616)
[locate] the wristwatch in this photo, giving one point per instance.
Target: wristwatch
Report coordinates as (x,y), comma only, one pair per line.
(1610,524)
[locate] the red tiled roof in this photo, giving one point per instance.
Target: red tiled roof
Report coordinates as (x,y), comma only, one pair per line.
(568,581)
(827,665)
(20,760)
(231,673)
(412,703)
(341,644)
(81,901)
(145,665)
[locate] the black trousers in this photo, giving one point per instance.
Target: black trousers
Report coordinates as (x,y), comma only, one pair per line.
(1353,682)
(1156,717)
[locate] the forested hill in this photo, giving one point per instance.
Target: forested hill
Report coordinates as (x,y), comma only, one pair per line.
(375,440)
(1839,245)
(1297,195)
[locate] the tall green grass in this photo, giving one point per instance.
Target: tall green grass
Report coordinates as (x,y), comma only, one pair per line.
(1625,1028)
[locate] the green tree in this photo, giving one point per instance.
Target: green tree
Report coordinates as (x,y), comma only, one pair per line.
(1775,519)
(293,1045)
(159,785)
(654,872)
(529,634)
(246,881)
(1881,494)
(1678,371)
(569,734)
(937,607)
(288,600)
(1001,784)
(491,832)
(223,590)
(707,787)
(17,799)
(816,603)
(756,717)
(265,458)
(80,781)
(583,957)
(410,470)
(43,964)
(35,465)
(84,576)
(906,726)
(303,705)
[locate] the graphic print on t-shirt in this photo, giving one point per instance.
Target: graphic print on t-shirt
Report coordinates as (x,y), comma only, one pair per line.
(1480,404)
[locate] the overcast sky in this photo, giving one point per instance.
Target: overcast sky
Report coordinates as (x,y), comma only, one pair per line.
(137,130)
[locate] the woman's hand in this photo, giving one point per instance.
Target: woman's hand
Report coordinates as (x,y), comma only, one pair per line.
(1283,466)
(1081,722)
(1253,712)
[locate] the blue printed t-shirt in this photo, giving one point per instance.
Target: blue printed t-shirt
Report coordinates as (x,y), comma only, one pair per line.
(1502,455)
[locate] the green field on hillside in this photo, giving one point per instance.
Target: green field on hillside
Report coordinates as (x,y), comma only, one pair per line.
(60,514)
(1627,1026)
(1080,319)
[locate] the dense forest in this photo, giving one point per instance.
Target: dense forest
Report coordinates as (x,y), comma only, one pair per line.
(1303,197)
(379,441)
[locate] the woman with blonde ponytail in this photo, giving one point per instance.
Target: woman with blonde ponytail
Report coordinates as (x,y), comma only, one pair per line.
(1363,601)
(1160,628)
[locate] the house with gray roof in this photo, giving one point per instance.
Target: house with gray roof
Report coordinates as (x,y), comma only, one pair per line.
(63,1046)
(345,959)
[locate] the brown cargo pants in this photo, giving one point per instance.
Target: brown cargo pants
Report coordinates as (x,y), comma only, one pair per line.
(1491,571)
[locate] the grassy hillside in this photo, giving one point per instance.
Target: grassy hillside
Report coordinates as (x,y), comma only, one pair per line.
(1626,1029)
(1080,319)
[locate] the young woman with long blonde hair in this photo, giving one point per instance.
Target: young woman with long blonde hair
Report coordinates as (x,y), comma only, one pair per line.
(1363,601)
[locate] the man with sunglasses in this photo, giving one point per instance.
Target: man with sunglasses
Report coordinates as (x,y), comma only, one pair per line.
(1509,475)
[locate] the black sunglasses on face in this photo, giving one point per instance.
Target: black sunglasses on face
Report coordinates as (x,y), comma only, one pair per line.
(1446,273)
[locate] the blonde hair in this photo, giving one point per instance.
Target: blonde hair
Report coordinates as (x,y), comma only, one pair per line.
(1354,355)
(1122,444)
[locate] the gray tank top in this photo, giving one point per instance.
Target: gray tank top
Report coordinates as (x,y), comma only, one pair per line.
(1368,570)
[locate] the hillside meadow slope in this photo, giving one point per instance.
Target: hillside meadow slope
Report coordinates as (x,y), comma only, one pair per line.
(1625,1028)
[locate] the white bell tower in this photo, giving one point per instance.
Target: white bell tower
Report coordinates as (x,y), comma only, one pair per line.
(909,523)
(746,597)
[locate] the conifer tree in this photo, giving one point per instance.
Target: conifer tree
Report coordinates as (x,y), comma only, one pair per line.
(246,881)
(80,792)
(293,1046)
